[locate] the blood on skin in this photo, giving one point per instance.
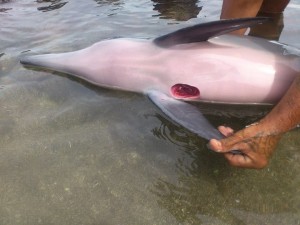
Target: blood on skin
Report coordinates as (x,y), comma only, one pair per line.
(185,91)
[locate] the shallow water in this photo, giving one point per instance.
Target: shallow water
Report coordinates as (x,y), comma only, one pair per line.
(72,153)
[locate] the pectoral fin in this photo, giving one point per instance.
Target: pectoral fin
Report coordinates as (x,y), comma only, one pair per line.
(185,115)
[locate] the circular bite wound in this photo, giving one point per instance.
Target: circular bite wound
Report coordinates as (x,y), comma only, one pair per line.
(185,91)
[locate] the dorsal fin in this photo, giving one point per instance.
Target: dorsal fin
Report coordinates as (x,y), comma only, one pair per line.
(204,31)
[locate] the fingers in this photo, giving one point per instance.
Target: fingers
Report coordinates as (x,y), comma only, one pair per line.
(217,145)
(242,161)
(238,160)
(246,161)
(250,157)
(226,131)
(255,146)
(233,142)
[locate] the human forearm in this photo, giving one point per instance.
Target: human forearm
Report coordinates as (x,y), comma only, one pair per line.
(258,141)
(286,114)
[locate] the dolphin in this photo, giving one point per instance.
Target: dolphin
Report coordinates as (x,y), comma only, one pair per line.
(198,63)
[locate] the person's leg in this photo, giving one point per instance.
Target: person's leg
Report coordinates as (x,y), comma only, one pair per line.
(273,6)
(240,9)
(271,29)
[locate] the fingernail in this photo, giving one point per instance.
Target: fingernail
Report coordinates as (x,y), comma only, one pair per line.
(216,144)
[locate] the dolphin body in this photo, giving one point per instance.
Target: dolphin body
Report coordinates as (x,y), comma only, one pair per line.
(190,64)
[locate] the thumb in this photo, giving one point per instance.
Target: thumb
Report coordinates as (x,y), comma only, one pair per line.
(223,146)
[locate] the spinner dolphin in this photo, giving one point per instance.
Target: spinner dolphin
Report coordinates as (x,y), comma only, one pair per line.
(197,63)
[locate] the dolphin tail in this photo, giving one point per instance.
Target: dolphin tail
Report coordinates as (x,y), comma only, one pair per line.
(204,31)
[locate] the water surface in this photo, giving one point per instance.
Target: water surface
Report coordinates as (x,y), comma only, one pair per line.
(73,153)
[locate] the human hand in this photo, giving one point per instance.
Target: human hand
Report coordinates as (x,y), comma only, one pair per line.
(255,144)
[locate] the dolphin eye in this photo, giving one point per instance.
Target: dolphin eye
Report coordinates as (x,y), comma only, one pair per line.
(185,91)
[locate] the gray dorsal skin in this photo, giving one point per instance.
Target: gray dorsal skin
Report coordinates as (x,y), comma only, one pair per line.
(204,31)
(185,115)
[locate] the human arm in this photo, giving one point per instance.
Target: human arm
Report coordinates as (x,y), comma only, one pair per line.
(258,141)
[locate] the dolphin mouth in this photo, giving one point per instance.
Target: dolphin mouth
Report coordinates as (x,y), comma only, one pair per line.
(182,91)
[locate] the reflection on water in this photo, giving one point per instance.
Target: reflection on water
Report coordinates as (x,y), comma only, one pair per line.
(103,2)
(73,153)
(3,10)
(177,10)
(55,4)
(172,132)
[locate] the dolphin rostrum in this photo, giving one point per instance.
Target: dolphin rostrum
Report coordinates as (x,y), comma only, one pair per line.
(191,64)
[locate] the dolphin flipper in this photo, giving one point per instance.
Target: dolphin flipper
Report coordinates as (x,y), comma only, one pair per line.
(185,115)
(204,31)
